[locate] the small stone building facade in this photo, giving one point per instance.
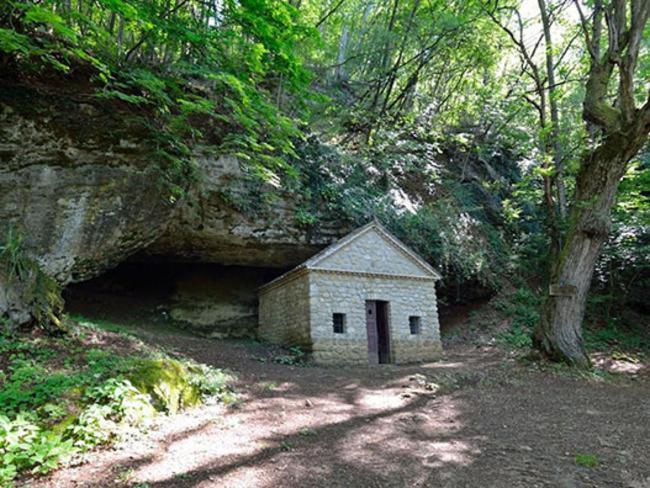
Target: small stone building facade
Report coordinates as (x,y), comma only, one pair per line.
(365,299)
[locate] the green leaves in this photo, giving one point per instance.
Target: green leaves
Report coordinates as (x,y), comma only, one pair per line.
(36,14)
(12,254)
(11,42)
(26,446)
(221,72)
(52,411)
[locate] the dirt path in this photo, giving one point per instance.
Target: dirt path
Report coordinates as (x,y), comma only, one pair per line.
(493,424)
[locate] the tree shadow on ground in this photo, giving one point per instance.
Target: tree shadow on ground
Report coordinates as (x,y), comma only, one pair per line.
(376,427)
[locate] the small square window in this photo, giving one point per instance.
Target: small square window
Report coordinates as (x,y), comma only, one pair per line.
(338,322)
(415,324)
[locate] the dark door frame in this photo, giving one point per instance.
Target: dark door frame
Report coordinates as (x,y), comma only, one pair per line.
(378,331)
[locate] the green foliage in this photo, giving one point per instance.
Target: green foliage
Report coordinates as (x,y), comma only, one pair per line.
(402,183)
(12,42)
(208,381)
(26,446)
(523,310)
(306,432)
(60,398)
(12,255)
(390,63)
(587,460)
(296,357)
(622,275)
(615,335)
(37,291)
(224,73)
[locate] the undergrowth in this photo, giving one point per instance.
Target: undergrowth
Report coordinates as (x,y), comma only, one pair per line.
(523,310)
(60,397)
(28,285)
(587,460)
(616,335)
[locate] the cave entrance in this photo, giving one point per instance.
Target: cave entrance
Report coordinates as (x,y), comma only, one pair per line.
(207,299)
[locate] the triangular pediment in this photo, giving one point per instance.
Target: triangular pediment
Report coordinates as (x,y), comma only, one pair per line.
(372,249)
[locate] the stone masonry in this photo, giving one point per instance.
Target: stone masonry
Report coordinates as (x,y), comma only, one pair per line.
(332,292)
(284,313)
(368,264)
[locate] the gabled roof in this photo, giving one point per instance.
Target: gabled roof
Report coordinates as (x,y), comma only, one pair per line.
(314,261)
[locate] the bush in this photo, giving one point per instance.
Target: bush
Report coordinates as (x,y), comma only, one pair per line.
(28,286)
(24,445)
(296,357)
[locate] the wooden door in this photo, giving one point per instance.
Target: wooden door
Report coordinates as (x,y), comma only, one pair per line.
(371,328)
(383,332)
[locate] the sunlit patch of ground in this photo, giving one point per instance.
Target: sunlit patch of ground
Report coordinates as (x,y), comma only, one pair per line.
(627,364)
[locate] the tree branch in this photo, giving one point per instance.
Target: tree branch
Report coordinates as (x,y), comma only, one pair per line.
(329,14)
(584,25)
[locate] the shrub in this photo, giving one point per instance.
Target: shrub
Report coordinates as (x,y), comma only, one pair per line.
(523,310)
(35,291)
(615,335)
(24,445)
(296,357)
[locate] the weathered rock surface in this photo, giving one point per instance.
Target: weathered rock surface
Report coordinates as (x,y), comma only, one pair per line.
(80,181)
(207,227)
(208,299)
(12,302)
(219,301)
(79,187)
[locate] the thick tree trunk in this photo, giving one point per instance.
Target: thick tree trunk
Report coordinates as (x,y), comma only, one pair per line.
(623,129)
(559,334)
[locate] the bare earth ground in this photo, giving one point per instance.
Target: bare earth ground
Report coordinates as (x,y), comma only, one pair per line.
(477,418)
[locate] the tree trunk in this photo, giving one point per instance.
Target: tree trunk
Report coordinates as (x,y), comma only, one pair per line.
(340,73)
(554,143)
(623,129)
(559,333)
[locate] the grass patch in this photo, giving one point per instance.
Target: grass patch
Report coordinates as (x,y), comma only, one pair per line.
(587,460)
(295,357)
(306,432)
(269,386)
(106,325)
(62,396)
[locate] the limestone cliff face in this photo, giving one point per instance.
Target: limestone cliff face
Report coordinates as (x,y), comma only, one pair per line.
(207,226)
(80,180)
(79,187)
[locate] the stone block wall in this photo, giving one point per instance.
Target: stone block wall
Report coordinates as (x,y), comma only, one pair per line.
(284,313)
(412,351)
(340,351)
(372,253)
(335,292)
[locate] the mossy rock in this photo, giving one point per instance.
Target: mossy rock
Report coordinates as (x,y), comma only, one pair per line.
(167,382)
(61,426)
